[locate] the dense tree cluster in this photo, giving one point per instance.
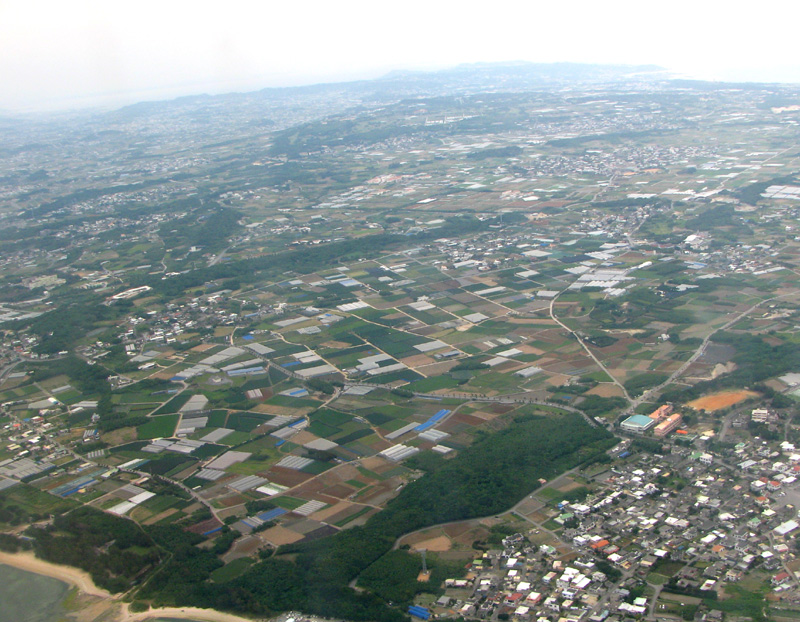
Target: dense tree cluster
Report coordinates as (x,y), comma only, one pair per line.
(393,577)
(596,406)
(11,544)
(484,479)
(87,378)
(756,361)
(113,550)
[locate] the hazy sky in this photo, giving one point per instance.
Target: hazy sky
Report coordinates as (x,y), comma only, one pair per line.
(57,54)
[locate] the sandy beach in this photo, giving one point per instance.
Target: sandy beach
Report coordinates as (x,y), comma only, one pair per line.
(81,580)
(192,613)
(67,574)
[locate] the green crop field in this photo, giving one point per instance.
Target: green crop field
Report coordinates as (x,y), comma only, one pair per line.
(158,427)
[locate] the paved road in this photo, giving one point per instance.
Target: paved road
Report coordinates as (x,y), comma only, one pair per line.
(180,485)
(217,258)
(469,397)
(597,361)
(514,509)
(698,353)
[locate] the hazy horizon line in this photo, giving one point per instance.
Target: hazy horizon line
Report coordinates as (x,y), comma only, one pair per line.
(115,100)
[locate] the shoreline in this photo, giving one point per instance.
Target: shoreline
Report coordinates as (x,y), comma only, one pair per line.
(191,613)
(67,574)
(81,580)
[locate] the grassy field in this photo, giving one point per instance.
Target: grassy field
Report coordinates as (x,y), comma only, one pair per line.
(289,503)
(434,384)
(245,422)
(31,500)
(143,397)
(235,439)
(548,494)
(174,404)
(250,467)
(158,427)
(232,570)
(657,579)
(330,417)
(352,517)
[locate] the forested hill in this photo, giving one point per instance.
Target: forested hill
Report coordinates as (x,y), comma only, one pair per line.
(165,562)
(488,477)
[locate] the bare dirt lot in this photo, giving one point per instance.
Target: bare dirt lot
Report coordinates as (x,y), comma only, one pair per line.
(605,389)
(441,543)
(280,535)
(720,400)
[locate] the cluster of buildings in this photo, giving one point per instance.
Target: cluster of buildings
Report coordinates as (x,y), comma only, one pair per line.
(675,521)
(662,421)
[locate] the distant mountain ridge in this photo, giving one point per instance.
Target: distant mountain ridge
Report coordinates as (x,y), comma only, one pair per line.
(479,76)
(548,71)
(400,84)
(463,79)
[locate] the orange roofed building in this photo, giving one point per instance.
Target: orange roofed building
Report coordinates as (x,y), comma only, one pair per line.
(661,412)
(668,425)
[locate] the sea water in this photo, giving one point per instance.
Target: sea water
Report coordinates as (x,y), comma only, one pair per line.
(29,597)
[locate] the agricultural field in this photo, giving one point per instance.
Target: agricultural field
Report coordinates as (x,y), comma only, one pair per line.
(315,320)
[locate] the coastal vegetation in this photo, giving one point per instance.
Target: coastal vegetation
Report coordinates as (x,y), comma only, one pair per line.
(484,479)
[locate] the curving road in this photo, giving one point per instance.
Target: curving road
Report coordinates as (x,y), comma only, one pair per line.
(585,347)
(698,353)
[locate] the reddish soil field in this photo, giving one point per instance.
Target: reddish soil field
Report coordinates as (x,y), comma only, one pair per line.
(721,400)
(377,464)
(468,419)
(416,360)
(438,544)
(232,500)
(203,347)
(500,409)
(342,514)
(287,477)
(454,531)
(280,535)
(206,525)
(442,286)
(380,494)
(605,390)
(340,491)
